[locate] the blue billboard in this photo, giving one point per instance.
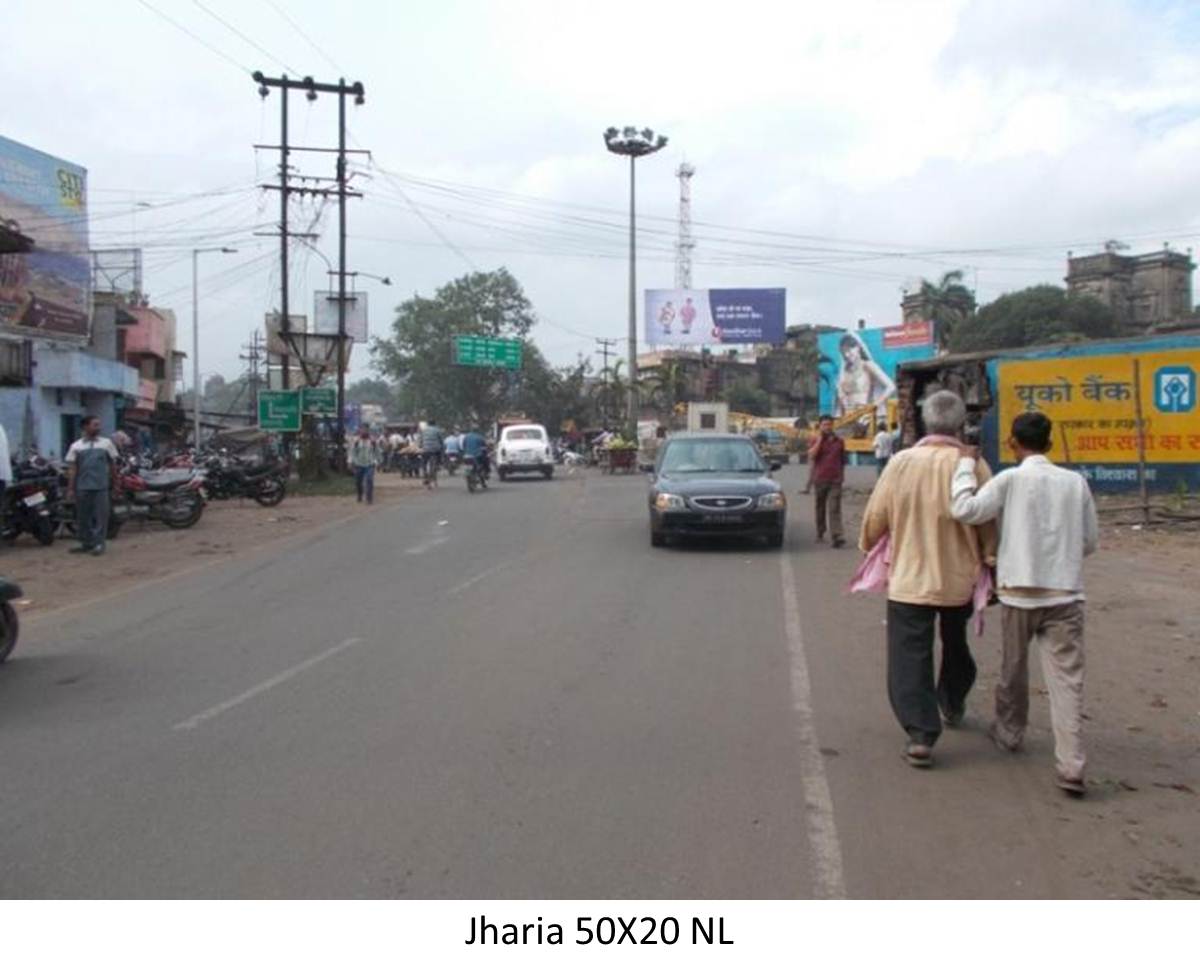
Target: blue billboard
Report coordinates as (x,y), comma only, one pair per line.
(45,265)
(858,367)
(701,317)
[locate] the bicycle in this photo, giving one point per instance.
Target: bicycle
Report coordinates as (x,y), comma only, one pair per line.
(429,475)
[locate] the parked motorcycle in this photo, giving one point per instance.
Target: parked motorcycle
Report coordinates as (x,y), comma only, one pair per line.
(174,497)
(226,478)
(32,502)
(30,507)
(9,625)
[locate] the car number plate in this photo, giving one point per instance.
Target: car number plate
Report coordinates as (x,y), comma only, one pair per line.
(34,499)
(722,519)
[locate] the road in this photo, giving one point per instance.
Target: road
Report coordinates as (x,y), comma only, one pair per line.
(508,695)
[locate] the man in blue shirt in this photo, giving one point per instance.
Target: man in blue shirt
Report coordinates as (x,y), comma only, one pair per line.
(475,448)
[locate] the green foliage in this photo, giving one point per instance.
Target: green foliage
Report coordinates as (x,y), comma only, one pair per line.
(744,395)
(1037,315)
(425,383)
(418,356)
(375,391)
(947,304)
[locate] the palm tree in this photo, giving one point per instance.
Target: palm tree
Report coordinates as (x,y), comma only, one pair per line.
(946,304)
(667,385)
(611,393)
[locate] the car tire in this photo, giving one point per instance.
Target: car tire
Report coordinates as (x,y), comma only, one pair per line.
(503,474)
(775,539)
(658,539)
(10,629)
(548,473)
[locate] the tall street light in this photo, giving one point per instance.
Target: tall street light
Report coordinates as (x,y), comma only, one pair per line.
(196,252)
(633,143)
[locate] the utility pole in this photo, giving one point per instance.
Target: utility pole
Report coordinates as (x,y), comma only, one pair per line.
(254,352)
(341,89)
(605,352)
(196,399)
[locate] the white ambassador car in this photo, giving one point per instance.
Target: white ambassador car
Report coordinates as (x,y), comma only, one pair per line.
(524,449)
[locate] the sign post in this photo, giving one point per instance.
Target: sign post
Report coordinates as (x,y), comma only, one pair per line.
(489,352)
(279,411)
(318,401)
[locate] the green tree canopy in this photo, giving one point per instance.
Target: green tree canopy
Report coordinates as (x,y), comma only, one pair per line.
(418,355)
(1037,315)
(744,395)
(375,391)
(946,303)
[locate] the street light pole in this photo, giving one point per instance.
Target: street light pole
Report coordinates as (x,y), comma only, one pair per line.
(196,340)
(633,143)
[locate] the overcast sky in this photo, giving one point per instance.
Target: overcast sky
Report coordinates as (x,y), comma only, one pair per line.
(841,148)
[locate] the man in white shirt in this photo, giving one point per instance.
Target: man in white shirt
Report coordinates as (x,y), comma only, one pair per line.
(883,449)
(1048,524)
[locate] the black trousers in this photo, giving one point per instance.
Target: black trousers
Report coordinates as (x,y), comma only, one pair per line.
(915,698)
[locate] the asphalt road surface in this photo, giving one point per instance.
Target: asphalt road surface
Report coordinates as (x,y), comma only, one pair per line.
(507,695)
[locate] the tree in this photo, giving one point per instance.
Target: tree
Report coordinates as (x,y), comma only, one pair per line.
(1037,315)
(375,391)
(946,304)
(610,393)
(744,395)
(667,385)
(418,355)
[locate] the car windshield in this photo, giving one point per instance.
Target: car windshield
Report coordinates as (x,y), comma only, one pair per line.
(513,434)
(711,456)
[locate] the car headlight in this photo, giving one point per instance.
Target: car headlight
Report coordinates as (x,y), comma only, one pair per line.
(771,501)
(669,501)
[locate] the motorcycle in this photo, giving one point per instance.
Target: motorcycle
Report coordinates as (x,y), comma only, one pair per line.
(477,473)
(31,507)
(453,461)
(9,625)
(226,479)
(173,497)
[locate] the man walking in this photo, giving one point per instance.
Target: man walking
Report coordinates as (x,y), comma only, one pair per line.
(364,457)
(827,471)
(1049,524)
(935,563)
(91,473)
(883,449)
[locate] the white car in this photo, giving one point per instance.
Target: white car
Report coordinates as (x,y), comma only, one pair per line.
(524,449)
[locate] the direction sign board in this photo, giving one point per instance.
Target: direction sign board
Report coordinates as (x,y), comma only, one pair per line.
(501,352)
(319,401)
(279,411)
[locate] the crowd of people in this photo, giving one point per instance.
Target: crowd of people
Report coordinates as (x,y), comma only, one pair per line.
(422,453)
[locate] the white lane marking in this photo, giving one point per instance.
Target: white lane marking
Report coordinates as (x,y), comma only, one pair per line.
(476,579)
(424,546)
(822,829)
(219,709)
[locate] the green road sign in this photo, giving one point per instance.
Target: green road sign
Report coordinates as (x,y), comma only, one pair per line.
(500,352)
(279,411)
(319,401)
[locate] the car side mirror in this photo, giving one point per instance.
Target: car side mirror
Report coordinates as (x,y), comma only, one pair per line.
(776,466)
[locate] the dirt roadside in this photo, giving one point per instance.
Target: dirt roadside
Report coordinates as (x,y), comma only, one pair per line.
(53,578)
(1138,832)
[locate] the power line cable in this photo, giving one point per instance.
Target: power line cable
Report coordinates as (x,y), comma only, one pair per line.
(311,43)
(249,40)
(196,37)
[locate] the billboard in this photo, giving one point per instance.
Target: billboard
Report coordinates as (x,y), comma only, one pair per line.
(1092,401)
(325,315)
(699,317)
(45,266)
(858,367)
